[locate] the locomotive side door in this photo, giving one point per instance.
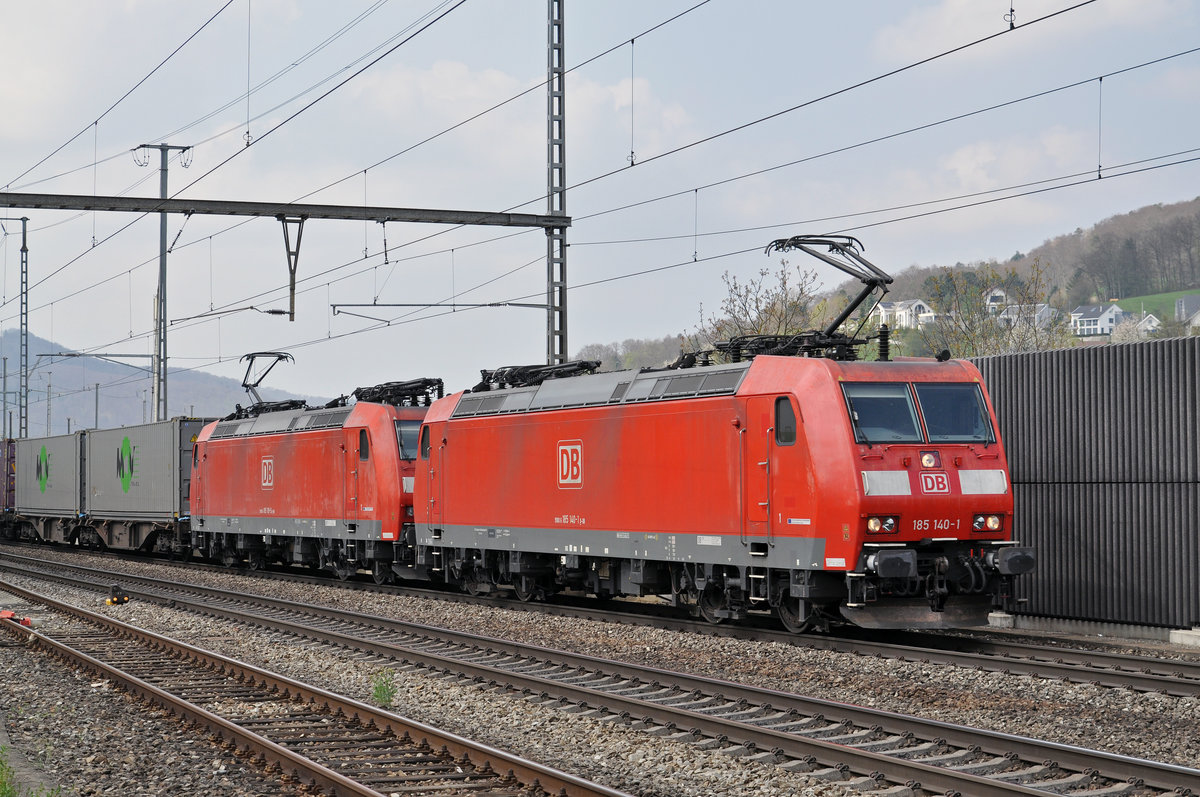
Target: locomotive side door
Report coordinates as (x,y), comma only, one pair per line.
(756,465)
(432,456)
(357,450)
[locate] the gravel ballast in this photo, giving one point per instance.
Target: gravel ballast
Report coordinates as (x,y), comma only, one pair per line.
(1120,721)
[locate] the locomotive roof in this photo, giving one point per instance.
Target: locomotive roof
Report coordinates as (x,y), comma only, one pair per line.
(283,421)
(612,387)
(633,387)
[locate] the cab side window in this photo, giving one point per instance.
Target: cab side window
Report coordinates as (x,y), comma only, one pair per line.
(785,422)
(364,445)
(425,442)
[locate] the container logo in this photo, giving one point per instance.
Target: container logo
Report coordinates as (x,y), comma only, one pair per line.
(268,473)
(935,482)
(570,464)
(42,469)
(126,463)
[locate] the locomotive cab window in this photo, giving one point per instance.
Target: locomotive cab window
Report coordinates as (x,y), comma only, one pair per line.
(882,412)
(364,445)
(406,436)
(955,413)
(425,442)
(785,422)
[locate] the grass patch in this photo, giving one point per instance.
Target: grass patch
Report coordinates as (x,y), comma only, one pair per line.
(1162,305)
(8,782)
(383,689)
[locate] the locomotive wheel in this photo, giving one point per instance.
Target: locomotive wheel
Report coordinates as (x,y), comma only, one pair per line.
(525,588)
(382,573)
(257,561)
(789,612)
(712,599)
(229,557)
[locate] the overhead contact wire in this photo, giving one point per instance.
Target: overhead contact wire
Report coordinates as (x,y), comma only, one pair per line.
(124,96)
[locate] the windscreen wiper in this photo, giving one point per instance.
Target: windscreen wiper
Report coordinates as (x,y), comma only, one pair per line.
(858,430)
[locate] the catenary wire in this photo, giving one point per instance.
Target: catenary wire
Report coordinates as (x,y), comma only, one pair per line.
(596,178)
(123,96)
(422,314)
(810,102)
(258,140)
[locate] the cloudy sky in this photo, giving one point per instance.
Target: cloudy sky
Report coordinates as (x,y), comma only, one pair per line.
(929,130)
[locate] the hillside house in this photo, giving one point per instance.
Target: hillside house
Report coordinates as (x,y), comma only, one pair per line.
(1149,324)
(1187,308)
(1038,316)
(1095,319)
(995,300)
(906,314)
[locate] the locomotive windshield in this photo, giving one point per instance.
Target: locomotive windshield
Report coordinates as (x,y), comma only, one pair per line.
(954,413)
(406,436)
(883,412)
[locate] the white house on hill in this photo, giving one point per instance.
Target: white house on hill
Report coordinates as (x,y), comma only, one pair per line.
(1187,310)
(1038,316)
(1095,319)
(906,314)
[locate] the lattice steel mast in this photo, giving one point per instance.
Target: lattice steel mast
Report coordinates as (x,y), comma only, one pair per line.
(556,188)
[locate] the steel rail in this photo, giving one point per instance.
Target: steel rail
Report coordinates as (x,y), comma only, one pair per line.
(289,761)
(482,756)
(1175,677)
(1163,776)
(1093,659)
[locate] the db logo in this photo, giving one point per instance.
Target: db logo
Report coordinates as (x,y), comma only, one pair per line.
(935,483)
(268,472)
(570,464)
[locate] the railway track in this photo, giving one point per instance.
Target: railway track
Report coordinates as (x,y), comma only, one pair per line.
(899,753)
(1175,676)
(993,653)
(308,735)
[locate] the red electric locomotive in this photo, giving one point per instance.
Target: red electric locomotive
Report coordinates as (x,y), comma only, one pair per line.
(871,492)
(330,488)
(825,489)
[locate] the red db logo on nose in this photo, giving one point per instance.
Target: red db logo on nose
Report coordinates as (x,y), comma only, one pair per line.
(935,483)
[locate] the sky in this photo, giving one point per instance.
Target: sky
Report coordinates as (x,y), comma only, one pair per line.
(696,133)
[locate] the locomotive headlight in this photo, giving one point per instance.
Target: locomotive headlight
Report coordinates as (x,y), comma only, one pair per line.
(931,459)
(986,523)
(881,525)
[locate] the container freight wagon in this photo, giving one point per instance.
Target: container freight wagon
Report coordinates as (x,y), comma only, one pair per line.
(137,483)
(121,488)
(49,487)
(8,483)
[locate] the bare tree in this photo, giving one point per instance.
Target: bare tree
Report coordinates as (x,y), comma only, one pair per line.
(969,326)
(768,304)
(1127,332)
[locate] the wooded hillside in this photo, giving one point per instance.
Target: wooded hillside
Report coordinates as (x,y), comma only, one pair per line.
(1152,250)
(1155,249)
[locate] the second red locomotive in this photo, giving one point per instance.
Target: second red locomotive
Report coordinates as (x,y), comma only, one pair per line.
(330,487)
